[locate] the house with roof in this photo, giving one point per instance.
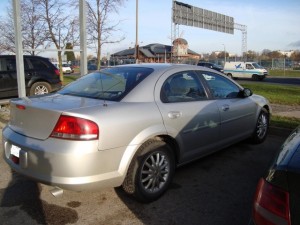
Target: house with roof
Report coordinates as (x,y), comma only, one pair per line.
(158,53)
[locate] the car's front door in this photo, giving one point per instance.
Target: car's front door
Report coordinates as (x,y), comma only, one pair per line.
(237,112)
(187,113)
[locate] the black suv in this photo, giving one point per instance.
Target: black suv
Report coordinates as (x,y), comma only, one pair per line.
(211,65)
(41,76)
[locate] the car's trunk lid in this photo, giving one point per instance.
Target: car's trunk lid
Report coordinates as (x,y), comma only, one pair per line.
(36,117)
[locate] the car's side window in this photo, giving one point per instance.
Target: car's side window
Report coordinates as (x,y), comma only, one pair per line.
(182,87)
(11,64)
(3,66)
(39,64)
(221,87)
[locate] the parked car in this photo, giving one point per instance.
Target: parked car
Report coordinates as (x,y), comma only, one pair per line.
(245,70)
(130,126)
(211,66)
(92,67)
(41,77)
(66,68)
(277,196)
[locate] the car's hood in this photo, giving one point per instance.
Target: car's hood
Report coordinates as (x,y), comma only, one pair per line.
(36,117)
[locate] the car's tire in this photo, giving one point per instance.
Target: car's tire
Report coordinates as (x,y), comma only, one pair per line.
(40,88)
(150,172)
(229,75)
(261,127)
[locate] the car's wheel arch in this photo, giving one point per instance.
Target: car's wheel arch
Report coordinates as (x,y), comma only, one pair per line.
(132,149)
(160,148)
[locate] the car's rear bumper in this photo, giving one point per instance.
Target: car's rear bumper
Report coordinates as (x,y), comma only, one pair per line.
(71,165)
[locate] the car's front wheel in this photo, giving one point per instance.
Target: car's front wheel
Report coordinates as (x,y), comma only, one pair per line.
(40,88)
(261,128)
(150,172)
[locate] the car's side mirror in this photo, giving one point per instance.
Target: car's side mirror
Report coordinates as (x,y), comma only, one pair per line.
(246,92)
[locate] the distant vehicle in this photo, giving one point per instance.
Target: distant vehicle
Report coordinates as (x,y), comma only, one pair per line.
(277,196)
(92,67)
(130,126)
(245,70)
(66,68)
(41,76)
(211,66)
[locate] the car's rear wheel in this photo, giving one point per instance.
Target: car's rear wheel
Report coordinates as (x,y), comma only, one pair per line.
(40,88)
(261,128)
(150,172)
(229,75)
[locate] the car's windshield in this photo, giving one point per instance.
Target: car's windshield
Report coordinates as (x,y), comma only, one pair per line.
(257,66)
(108,84)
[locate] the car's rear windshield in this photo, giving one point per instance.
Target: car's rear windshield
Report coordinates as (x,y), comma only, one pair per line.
(108,84)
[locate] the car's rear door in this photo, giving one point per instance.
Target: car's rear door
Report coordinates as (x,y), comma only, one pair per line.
(188,114)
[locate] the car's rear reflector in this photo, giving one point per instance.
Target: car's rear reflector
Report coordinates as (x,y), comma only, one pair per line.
(271,205)
(69,127)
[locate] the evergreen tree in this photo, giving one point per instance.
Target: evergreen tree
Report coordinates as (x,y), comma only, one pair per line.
(70,54)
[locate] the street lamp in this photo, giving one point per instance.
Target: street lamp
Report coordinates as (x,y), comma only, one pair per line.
(136,32)
(224,53)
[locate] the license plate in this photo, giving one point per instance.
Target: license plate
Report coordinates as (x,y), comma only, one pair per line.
(15,150)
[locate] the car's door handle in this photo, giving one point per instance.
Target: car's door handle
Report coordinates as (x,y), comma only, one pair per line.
(174,114)
(225,107)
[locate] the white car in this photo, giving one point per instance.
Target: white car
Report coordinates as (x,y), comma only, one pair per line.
(65,67)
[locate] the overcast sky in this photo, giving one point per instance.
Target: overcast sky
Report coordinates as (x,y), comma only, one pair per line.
(271,24)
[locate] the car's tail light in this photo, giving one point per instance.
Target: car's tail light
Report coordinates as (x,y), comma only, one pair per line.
(74,128)
(57,72)
(271,205)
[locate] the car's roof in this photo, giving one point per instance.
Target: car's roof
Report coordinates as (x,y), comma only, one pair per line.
(160,66)
(26,56)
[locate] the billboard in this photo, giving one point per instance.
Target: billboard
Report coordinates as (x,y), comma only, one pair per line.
(184,14)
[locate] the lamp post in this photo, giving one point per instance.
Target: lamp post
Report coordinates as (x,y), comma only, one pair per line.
(224,53)
(136,32)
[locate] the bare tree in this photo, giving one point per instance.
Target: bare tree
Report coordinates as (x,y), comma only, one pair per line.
(60,25)
(100,28)
(33,29)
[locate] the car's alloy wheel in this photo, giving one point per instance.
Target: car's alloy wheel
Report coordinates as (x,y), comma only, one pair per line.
(155,171)
(150,172)
(261,128)
(40,88)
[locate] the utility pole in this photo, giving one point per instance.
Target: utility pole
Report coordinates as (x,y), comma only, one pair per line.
(224,54)
(136,32)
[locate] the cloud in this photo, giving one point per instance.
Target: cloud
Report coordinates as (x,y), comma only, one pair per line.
(295,44)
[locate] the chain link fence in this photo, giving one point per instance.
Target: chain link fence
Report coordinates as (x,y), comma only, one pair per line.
(273,64)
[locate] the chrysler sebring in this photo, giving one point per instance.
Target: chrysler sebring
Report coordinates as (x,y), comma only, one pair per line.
(130,126)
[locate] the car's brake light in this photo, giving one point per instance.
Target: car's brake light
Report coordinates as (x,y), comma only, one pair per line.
(271,205)
(74,128)
(57,72)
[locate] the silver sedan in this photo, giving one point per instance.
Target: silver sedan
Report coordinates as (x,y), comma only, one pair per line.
(130,126)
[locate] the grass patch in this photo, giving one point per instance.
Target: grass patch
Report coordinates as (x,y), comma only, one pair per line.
(285,122)
(69,78)
(276,94)
(286,73)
